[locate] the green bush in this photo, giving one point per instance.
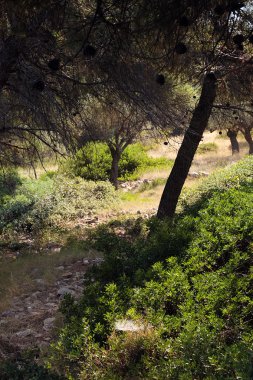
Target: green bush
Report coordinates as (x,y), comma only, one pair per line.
(233,176)
(189,281)
(93,162)
(9,180)
(25,369)
(53,202)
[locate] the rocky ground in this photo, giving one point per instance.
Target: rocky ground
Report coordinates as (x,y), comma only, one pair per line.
(33,318)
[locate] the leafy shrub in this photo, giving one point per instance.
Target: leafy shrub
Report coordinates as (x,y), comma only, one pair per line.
(191,280)
(9,180)
(52,201)
(25,369)
(233,176)
(93,162)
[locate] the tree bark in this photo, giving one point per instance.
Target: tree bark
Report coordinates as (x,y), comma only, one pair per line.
(232,134)
(248,138)
(188,148)
(115,168)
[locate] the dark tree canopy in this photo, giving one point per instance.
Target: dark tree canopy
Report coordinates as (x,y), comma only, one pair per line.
(57,53)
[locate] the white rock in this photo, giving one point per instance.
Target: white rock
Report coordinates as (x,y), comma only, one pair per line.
(64,290)
(24,333)
(194,174)
(40,281)
(48,323)
(129,325)
(56,249)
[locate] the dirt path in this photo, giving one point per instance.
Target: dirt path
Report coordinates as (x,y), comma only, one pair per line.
(33,318)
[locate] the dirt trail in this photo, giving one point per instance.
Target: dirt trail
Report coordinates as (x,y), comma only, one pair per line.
(33,318)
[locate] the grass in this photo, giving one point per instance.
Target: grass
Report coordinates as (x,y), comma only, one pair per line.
(207,147)
(152,185)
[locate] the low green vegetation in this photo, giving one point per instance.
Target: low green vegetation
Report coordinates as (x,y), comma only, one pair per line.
(93,162)
(9,180)
(188,284)
(52,201)
(207,147)
(232,176)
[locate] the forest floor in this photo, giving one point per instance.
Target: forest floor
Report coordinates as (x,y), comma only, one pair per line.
(34,284)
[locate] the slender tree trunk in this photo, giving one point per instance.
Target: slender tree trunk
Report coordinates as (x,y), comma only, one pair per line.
(115,168)
(248,138)
(188,148)
(232,134)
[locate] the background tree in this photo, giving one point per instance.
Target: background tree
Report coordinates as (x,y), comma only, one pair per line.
(110,44)
(120,122)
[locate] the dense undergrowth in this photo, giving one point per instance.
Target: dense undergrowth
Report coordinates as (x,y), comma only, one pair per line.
(28,205)
(94,160)
(187,284)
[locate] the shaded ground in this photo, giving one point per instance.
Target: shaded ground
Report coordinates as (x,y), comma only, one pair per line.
(32,318)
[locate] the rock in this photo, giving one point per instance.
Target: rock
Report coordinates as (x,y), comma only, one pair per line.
(51,305)
(194,174)
(67,275)
(56,249)
(35,295)
(64,290)
(25,333)
(98,260)
(38,336)
(205,174)
(61,267)
(40,281)
(129,325)
(48,323)
(8,313)
(85,262)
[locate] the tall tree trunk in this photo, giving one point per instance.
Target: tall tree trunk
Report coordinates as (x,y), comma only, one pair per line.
(232,134)
(115,168)
(188,148)
(248,138)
